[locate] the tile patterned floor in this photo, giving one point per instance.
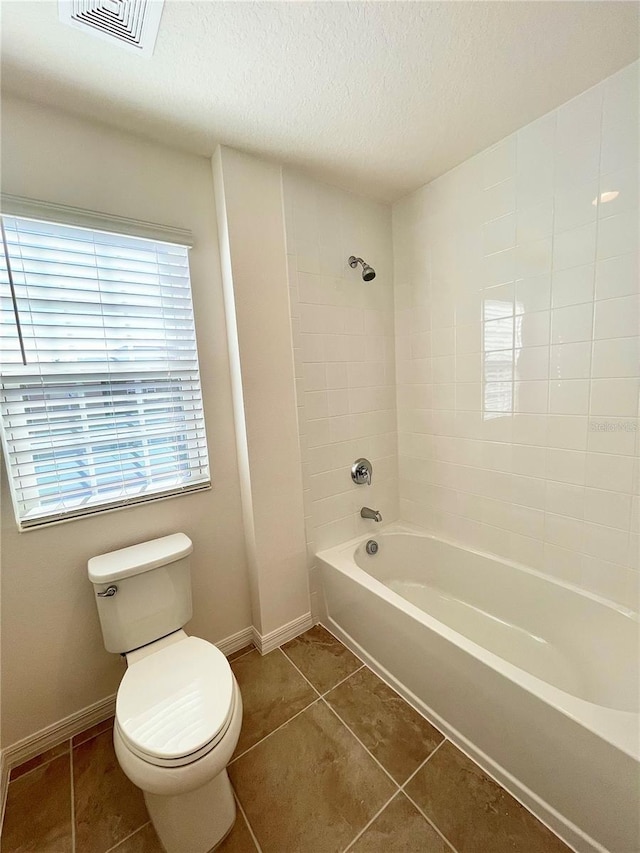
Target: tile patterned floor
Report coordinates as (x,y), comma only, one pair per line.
(329,760)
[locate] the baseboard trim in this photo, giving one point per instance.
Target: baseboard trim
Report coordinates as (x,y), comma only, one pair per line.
(4,785)
(236,641)
(266,643)
(74,724)
(56,733)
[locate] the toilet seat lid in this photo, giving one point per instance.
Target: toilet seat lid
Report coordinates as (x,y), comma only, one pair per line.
(175,701)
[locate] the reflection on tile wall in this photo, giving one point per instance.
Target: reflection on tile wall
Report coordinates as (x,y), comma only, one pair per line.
(344,354)
(516,279)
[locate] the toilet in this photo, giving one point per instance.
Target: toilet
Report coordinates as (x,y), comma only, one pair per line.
(178,708)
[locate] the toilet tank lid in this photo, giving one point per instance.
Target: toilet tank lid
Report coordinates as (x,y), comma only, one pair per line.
(136,559)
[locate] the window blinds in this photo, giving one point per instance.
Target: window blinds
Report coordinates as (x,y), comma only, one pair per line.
(497,357)
(107,411)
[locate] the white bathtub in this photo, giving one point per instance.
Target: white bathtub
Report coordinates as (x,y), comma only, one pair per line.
(534,679)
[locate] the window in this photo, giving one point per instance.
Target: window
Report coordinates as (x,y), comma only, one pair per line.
(497,354)
(105,408)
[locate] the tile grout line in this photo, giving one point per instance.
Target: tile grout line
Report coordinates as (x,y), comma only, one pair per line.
(430,822)
(300,672)
(502,788)
(333,687)
(399,791)
(351,732)
(399,788)
(390,686)
(323,695)
(356,656)
(320,697)
(366,826)
(422,763)
(315,690)
(338,640)
(72,798)
(340,720)
(333,711)
(253,746)
(342,681)
(33,769)
(594,300)
(127,837)
(109,721)
(246,820)
(53,758)
(412,801)
(243,655)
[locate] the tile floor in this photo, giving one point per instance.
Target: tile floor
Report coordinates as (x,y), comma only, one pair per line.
(329,759)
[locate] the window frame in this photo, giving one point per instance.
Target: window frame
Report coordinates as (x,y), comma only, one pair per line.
(136,382)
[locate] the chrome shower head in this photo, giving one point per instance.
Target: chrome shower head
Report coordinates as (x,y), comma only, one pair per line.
(368,273)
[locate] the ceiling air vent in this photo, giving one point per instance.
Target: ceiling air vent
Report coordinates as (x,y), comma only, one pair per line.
(133,24)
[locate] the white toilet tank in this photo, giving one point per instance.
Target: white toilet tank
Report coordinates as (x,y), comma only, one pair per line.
(152,597)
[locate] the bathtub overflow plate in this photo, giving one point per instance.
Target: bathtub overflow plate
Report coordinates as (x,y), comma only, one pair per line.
(371,547)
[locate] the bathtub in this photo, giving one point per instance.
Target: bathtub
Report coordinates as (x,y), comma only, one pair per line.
(534,679)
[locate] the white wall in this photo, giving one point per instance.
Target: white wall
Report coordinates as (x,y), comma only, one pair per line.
(517,345)
(53,661)
(252,241)
(344,355)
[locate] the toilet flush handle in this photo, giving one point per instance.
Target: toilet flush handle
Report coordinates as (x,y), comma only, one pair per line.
(108,592)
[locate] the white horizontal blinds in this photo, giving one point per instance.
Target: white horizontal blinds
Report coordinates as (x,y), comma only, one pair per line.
(108,408)
(497,356)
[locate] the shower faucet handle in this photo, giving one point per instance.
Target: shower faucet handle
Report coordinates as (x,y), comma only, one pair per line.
(362,472)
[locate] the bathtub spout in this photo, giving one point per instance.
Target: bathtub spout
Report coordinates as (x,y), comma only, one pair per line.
(365,512)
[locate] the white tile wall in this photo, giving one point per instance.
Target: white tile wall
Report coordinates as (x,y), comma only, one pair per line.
(344,353)
(518,348)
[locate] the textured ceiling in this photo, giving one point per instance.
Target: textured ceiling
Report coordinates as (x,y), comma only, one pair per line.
(379,97)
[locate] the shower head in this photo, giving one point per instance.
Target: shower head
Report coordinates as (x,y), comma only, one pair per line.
(368,273)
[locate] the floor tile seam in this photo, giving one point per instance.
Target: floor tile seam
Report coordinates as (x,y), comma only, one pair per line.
(89,739)
(384,681)
(404,701)
(73,800)
(430,822)
(342,681)
(243,655)
(355,654)
(282,725)
(422,763)
(321,695)
(246,820)
(366,748)
(38,766)
(428,758)
(368,824)
(296,667)
(420,766)
(420,713)
(126,838)
(464,750)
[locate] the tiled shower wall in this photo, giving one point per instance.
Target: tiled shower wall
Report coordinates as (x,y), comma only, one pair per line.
(516,281)
(343,332)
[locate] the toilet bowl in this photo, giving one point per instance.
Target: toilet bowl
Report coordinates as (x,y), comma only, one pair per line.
(178,707)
